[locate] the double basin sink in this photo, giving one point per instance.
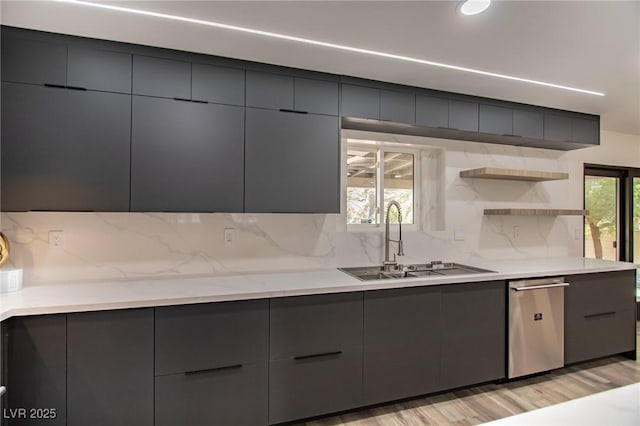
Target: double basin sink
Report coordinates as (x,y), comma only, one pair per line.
(367,273)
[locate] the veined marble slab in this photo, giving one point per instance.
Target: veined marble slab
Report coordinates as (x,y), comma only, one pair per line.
(619,407)
(136,293)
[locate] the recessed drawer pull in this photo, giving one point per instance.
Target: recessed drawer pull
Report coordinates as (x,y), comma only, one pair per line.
(55,86)
(601,314)
(293,111)
(198,101)
(77,88)
(182,99)
(300,357)
(538,287)
(210,370)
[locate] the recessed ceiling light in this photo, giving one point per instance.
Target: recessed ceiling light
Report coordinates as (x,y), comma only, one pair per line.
(327,45)
(473,7)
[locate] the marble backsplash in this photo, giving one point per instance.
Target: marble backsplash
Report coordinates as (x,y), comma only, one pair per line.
(103,246)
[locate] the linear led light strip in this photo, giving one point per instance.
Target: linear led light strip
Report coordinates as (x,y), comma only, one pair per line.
(325,44)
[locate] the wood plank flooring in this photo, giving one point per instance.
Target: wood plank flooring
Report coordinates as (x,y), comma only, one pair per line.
(494,401)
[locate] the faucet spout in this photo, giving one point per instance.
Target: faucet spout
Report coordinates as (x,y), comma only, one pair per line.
(388,263)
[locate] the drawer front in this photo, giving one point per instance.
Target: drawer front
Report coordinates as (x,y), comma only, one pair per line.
(594,336)
(270,91)
(200,337)
(600,293)
(236,396)
(309,325)
(165,78)
(300,388)
(315,96)
(360,102)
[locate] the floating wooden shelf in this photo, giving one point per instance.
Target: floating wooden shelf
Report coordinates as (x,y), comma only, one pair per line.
(535,212)
(513,174)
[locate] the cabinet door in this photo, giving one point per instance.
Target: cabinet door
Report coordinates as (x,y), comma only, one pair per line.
(585,131)
(360,102)
(528,124)
(463,116)
(64,149)
(217,84)
(186,156)
(36,359)
(193,338)
(33,61)
(473,337)
(402,343)
(557,128)
(165,78)
(315,96)
(496,120)
(432,112)
(271,91)
(315,355)
(99,70)
(397,106)
(599,315)
(110,368)
(292,162)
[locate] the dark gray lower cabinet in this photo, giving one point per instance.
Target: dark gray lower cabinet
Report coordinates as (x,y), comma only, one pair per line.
(64,149)
(186,157)
(599,315)
(211,364)
(292,162)
(473,334)
(110,368)
(315,362)
(36,356)
(402,343)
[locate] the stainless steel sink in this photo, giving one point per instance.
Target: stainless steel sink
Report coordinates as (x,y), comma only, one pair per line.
(367,273)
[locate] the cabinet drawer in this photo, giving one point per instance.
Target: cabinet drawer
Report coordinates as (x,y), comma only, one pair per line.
(99,70)
(205,336)
(308,325)
(33,61)
(316,96)
(311,386)
(593,336)
(234,396)
(161,77)
(270,91)
(600,293)
(217,84)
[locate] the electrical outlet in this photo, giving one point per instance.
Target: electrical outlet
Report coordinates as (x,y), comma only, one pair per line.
(577,234)
(516,232)
(13,280)
(458,235)
(229,237)
(56,239)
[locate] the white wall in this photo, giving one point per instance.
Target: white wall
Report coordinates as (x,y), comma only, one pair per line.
(99,246)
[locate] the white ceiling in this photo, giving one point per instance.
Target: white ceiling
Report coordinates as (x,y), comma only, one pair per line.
(587,44)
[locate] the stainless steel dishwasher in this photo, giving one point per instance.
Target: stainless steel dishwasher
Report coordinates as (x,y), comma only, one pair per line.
(536,326)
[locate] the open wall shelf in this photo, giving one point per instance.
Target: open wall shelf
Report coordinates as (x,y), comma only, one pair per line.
(513,174)
(535,212)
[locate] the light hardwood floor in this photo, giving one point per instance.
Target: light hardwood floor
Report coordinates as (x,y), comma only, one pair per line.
(494,401)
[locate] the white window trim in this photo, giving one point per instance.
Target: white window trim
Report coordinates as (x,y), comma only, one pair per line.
(382,147)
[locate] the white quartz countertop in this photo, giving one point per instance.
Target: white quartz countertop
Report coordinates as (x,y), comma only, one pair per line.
(137,293)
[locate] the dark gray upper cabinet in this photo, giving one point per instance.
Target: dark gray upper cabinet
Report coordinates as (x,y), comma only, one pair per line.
(360,102)
(496,120)
(292,162)
(99,70)
(528,123)
(201,337)
(316,96)
(165,78)
(585,131)
(271,91)
(402,343)
(36,357)
(599,315)
(397,106)
(33,61)
(557,128)
(110,367)
(217,84)
(473,334)
(315,355)
(186,156)
(432,111)
(64,149)
(463,115)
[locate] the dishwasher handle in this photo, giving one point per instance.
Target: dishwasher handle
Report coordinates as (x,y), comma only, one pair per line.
(537,287)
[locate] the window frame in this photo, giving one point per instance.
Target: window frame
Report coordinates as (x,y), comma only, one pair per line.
(381,148)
